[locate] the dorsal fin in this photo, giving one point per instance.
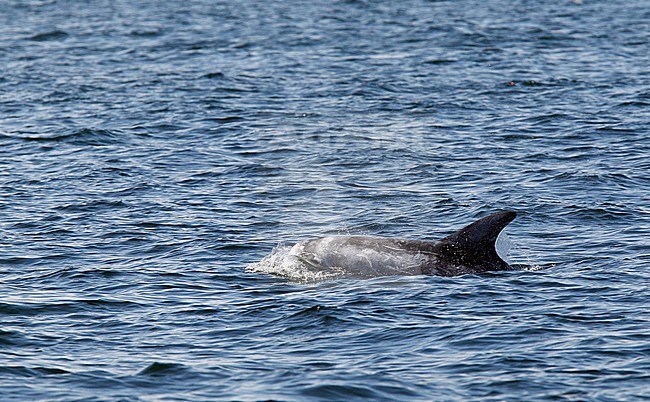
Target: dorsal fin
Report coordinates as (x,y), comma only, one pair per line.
(474,245)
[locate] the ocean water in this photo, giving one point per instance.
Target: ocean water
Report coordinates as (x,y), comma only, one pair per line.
(152,152)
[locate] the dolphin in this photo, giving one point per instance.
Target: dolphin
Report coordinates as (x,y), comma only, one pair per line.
(471,250)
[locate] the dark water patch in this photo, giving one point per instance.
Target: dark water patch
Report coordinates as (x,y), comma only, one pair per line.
(12,338)
(224,120)
(19,260)
(215,75)
(21,371)
(440,61)
(615,130)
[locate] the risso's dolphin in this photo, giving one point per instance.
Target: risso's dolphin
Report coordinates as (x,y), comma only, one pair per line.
(470,250)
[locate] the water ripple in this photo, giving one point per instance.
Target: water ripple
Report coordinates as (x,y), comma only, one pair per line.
(151,152)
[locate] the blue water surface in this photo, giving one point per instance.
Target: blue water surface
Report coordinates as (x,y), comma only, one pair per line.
(151,152)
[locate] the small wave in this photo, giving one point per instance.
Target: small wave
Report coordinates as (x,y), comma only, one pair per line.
(147,33)
(49,36)
(12,338)
(36,309)
(23,371)
(92,205)
(84,136)
(546,118)
(633,104)
(340,392)
(162,369)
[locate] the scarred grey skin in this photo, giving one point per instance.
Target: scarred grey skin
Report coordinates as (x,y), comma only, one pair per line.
(470,250)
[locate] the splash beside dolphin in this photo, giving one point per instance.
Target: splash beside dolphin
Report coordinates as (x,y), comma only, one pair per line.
(471,250)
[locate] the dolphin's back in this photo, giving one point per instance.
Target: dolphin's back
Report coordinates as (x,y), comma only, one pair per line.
(469,250)
(361,255)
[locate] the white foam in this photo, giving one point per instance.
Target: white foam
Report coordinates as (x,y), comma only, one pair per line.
(285,261)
